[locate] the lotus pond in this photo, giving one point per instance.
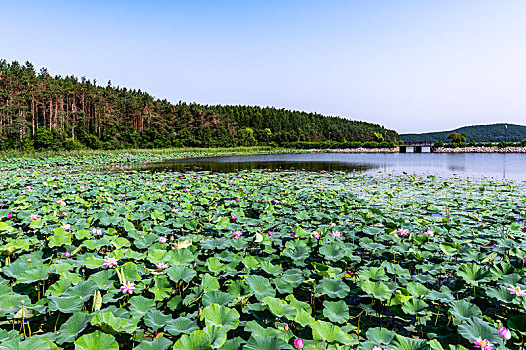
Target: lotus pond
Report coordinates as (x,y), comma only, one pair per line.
(260,260)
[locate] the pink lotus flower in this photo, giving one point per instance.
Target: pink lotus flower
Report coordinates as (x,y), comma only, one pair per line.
(516,290)
(336,234)
(110,262)
(483,344)
(469,245)
(128,288)
(162,239)
(298,343)
(524,260)
(66,227)
(316,235)
(237,234)
(97,231)
(64,213)
(61,202)
(429,233)
(403,231)
(376,347)
(270,233)
(161,266)
(175,210)
(34,216)
(9,216)
(67,254)
(504,333)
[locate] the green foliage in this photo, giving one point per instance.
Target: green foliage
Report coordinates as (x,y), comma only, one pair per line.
(43,138)
(73,114)
(457,138)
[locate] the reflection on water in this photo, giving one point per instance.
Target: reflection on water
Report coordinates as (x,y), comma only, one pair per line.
(208,164)
(496,165)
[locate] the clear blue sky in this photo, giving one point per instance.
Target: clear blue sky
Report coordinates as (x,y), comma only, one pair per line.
(414,66)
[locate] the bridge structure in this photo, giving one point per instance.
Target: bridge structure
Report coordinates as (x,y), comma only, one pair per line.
(417,147)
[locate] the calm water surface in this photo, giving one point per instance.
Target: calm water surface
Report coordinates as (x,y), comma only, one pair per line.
(497,165)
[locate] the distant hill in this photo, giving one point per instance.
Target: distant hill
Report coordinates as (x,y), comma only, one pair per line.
(477,133)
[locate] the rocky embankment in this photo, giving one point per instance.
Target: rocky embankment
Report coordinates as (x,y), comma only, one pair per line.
(476,149)
(363,150)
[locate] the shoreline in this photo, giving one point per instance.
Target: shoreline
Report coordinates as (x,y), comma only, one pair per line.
(481,149)
(474,149)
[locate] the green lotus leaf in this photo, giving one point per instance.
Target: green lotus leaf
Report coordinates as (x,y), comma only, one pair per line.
(180,273)
(293,276)
(449,248)
(373,274)
(380,335)
(12,303)
(462,311)
(214,265)
(59,238)
(161,288)
(471,273)
(140,305)
(110,324)
(181,257)
(260,286)
(278,307)
(332,252)
(155,319)
(30,343)
(181,325)
(69,305)
(333,288)
(414,306)
(209,283)
(215,297)
(336,311)
(157,344)
(266,343)
(256,329)
(103,279)
(70,330)
(271,269)
(221,316)
(217,335)
(197,340)
(477,328)
(376,289)
(501,269)
(330,333)
(96,341)
(233,344)
(82,290)
(403,343)
(416,289)
(303,317)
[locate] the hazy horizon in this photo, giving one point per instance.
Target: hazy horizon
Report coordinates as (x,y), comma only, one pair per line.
(411,66)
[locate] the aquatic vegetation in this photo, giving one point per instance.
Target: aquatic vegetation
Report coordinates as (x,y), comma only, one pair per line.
(260,260)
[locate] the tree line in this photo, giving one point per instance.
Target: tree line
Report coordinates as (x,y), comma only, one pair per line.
(39,111)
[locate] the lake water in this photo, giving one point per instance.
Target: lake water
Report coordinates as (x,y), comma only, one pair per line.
(494,165)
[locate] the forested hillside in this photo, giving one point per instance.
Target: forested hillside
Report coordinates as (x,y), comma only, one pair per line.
(41,111)
(476,133)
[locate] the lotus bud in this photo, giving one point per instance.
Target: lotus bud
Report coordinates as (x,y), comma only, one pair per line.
(504,333)
(298,343)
